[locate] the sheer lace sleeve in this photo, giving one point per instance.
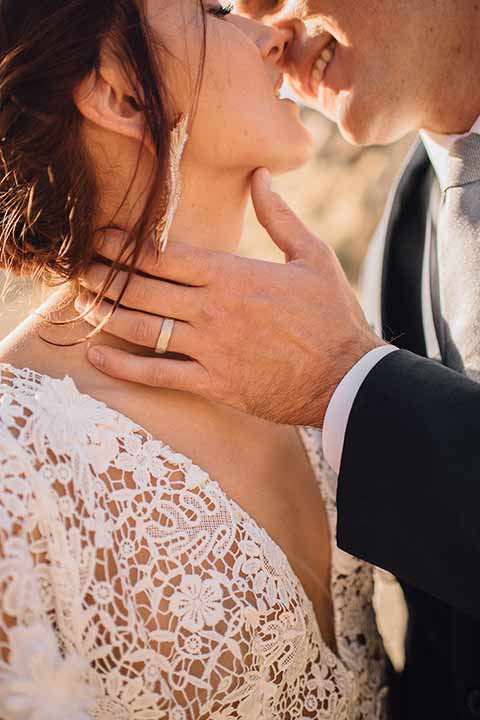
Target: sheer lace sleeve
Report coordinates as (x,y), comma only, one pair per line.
(34,676)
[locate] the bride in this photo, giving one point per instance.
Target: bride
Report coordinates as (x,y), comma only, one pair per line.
(160,556)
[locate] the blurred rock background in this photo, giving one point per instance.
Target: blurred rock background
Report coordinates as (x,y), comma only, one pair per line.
(340,195)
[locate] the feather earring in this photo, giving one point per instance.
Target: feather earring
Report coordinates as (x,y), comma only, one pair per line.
(178,140)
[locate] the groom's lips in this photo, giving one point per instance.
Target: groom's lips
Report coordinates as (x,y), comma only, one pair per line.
(308,76)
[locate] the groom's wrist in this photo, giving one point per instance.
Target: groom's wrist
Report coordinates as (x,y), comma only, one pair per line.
(342,400)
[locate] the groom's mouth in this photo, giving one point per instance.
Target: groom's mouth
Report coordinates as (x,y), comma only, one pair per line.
(308,64)
(319,67)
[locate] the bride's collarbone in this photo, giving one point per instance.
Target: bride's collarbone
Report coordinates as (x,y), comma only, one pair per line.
(264,468)
(241,452)
(260,465)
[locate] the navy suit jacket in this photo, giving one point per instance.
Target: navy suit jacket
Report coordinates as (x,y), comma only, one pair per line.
(409,483)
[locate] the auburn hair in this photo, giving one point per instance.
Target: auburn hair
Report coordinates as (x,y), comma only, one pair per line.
(48,185)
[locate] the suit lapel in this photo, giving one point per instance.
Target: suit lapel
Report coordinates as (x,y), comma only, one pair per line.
(375,269)
(392,274)
(401,290)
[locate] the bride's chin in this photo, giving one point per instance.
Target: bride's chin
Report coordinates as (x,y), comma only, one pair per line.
(296,157)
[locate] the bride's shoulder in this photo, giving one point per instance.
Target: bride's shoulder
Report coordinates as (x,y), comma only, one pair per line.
(14,401)
(18,392)
(24,399)
(49,417)
(17,467)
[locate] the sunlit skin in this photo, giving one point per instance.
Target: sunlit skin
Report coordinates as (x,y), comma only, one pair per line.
(239,125)
(399,65)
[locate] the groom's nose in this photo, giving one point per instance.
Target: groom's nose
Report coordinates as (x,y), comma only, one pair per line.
(273,42)
(295,57)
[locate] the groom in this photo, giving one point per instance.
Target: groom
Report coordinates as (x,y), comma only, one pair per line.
(401,422)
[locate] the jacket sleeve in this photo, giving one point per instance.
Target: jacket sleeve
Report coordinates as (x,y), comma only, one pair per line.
(409,482)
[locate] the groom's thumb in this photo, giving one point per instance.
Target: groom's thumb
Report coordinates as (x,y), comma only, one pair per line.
(278,219)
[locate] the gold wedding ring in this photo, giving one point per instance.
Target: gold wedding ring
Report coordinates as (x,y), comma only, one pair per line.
(165,336)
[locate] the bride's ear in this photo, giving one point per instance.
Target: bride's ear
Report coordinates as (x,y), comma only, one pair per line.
(108,100)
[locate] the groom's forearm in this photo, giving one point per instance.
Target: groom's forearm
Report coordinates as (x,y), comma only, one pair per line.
(409,490)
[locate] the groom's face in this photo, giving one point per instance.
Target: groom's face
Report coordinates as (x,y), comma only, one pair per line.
(379,56)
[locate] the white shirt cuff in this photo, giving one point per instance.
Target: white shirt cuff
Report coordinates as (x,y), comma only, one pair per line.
(341,403)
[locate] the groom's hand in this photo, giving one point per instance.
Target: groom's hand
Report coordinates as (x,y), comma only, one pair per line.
(270,339)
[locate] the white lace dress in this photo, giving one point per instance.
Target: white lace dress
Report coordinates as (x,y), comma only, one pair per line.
(133,588)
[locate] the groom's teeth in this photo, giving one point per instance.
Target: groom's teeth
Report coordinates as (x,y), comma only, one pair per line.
(317,73)
(320,66)
(327,55)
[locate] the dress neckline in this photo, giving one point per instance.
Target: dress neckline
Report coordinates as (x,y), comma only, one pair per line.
(303,435)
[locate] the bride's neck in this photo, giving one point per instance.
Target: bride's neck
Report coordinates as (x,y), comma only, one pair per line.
(210,215)
(212,210)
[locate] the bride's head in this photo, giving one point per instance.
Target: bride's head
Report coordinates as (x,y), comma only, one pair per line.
(90,92)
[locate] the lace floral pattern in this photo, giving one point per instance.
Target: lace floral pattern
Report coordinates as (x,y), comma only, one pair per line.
(164,597)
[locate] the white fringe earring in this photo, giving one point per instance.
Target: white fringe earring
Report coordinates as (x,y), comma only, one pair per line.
(178,140)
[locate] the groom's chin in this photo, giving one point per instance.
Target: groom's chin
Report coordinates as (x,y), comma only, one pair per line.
(363,125)
(351,121)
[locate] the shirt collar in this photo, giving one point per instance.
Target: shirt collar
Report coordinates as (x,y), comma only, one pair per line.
(438,147)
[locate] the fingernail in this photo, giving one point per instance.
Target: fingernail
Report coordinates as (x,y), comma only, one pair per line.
(265,177)
(96,357)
